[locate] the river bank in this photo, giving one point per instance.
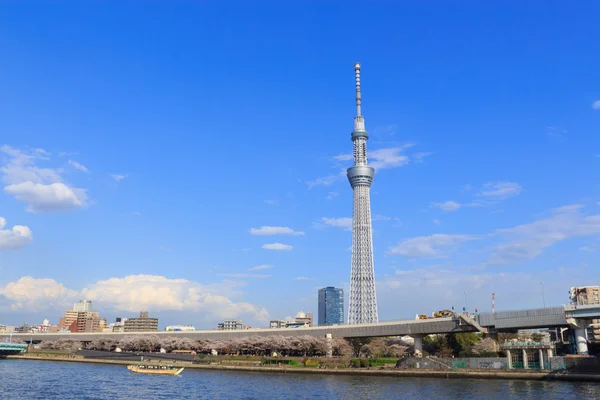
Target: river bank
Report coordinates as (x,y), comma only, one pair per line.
(462,374)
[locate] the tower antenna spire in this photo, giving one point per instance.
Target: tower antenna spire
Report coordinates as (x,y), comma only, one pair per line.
(358,97)
(363,299)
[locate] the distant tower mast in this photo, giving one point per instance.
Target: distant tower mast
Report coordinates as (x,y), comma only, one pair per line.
(363,300)
(493,305)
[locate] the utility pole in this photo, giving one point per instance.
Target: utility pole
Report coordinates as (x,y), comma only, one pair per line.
(543,297)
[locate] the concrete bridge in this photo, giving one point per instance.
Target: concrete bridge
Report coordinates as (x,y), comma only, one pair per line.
(507,321)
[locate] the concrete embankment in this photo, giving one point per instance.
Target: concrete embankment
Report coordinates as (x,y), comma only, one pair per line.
(451,374)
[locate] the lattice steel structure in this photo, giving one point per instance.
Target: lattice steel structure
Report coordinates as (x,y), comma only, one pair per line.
(363,299)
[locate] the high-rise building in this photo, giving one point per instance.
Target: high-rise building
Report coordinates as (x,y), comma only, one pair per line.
(83,306)
(331,306)
(363,300)
(141,324)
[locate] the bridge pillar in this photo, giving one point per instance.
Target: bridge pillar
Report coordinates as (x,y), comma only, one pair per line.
(494,337)
(580,341)
(550,355)
(508,359)
(328,340)
(541,359)
(525,360)
(418,345)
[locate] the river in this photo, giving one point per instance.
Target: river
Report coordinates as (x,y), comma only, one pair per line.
(21,379)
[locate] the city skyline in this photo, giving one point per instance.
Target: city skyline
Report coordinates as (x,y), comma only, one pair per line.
(125,147)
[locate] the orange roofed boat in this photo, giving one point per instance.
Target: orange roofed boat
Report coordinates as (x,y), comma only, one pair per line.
(155,369)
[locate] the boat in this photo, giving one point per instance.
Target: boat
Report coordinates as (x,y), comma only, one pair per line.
(155,369)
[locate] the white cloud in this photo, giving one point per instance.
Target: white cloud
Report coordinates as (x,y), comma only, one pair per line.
(587,248)
(324,181)
(436,221)
(78,166)
(596,105)
(158,293)
(277,246)
(331,195)
(41,188)
(274,230)
(447,206)
(500,190)
(344,223)
(418,157)
(260,267)
(52,197)
(430,246)
(37,294)
(344,157)
(118,177)
(387,158)
(302,278)
(527,241)
(136,213)
(14,238)
(246,275)
(272,202)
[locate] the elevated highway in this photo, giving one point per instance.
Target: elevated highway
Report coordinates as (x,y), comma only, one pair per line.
(577,318)
(397,328)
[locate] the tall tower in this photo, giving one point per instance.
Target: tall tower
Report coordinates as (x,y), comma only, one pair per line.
(363,300)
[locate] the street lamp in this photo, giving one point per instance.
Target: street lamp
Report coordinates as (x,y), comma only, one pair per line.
(466,305)
(543,297)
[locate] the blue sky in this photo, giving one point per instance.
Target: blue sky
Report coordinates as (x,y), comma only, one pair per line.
(142,144)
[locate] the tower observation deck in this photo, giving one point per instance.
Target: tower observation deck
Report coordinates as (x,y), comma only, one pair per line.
(363,299)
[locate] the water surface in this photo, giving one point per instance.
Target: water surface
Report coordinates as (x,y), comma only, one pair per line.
(20,379)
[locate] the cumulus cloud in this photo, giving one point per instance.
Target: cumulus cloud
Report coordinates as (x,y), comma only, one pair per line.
(447,206)
(343,223)
(277,246)
(432,246)
(52,197)
(527,241)
(14,238)
(131,294)
(331,195)
(274,230)
(42,189)
(33,294)
(78,166)
(596,105)
(500,190)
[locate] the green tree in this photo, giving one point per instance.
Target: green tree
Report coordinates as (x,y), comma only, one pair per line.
(358,343)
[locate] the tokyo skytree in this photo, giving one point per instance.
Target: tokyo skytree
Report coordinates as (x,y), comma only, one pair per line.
(363,300)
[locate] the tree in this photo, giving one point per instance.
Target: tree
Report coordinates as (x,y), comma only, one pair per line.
(485,347)
(358,343)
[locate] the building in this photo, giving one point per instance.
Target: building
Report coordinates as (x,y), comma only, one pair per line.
(232,325)
(303,318)
(279,323)
(585,295)
(83,306)
(180,328)
(363,300)
(331,306)
(80,321)
(143,323)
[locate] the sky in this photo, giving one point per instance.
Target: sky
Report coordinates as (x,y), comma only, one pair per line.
(188,158)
